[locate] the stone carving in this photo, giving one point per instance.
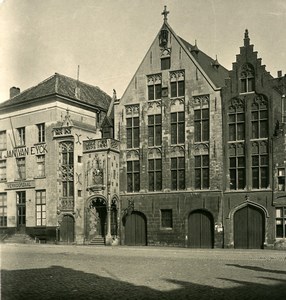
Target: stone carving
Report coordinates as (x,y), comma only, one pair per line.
(132,109)
(237,103)
(247,71)
(133,155)
(177,75)
(154,79)
(201,100)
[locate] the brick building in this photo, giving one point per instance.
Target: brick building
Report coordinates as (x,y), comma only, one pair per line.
(169,123)
(202,149)
(192,155)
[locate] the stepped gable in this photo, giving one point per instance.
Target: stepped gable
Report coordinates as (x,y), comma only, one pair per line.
(216,72)
(62,86)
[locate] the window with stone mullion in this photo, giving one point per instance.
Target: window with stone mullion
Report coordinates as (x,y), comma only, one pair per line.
(201,172)
(133,176)
(178,173)
(177,128)
(201,119)
(155,174)
(260,170)
(259,121)
(236,125)
(154,130)
(132,132)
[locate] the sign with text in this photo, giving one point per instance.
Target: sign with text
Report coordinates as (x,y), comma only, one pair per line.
(27,184)
(23,151)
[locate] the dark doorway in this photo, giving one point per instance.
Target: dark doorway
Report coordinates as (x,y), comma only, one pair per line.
(97,218)
(135,229)
(200,230)
(21,211)
(248,228)
(67,229)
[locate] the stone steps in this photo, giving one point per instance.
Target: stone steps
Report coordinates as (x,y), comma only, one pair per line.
(19,238)
(97,241)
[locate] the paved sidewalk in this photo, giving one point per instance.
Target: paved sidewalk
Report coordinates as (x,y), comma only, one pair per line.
(86,272)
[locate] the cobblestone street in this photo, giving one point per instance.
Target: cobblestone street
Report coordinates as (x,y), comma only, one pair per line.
(85,272)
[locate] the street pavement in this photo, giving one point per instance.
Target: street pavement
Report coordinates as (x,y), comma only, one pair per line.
(41,271)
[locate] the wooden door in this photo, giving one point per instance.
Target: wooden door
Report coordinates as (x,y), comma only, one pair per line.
(67,229)
(248,228)
(200,230)
(136,230)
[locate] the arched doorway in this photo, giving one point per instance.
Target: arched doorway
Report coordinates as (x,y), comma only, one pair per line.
(67,229)
(200,229)
(135,229)
(248,228)
(97,218)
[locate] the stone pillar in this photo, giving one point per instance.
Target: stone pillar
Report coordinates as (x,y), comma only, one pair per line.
(108,237)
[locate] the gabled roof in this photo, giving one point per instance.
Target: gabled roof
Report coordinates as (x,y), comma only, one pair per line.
(216,72)
(63,86)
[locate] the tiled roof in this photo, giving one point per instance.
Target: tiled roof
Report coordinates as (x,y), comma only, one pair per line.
(216,74)
(64,86)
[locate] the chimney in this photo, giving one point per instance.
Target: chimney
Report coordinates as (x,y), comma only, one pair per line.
(279,74)
(14,91)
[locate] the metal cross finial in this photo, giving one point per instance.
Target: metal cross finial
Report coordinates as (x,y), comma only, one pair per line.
(165,13)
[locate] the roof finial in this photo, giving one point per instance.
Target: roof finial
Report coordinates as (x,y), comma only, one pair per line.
(246,38)
(165,13)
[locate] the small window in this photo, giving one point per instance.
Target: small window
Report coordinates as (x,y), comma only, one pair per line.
(79,159)
(281,179)
(79,193)
(165,63)
(281,222)
(166,218)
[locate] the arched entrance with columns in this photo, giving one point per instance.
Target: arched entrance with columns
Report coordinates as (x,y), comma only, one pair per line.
(101,220)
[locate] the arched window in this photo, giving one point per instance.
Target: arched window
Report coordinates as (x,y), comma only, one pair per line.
(247,79)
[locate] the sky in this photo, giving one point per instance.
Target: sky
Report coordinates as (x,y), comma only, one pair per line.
(109,38)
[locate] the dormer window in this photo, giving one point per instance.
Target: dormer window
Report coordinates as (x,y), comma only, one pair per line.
(247,79)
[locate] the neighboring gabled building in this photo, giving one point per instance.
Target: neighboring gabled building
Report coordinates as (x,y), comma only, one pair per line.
(43,176)
(169,123)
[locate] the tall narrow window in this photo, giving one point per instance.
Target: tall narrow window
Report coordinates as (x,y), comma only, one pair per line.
(21,168)
(41,165)
(154,87)
(41,207)
(21,136)
(21,207)
(154,130)
(41,132)
(259,120)
(3,210)
(201,125)
(133,176)
(201,172)
(166,218)
(155,174)
(236,124)
(178,128)
(237,172)
(281,222)
(247,79)
(3,170)
(3,140)
(132,129)
(178,173)
(177,82)
(260,168)
(67,169)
